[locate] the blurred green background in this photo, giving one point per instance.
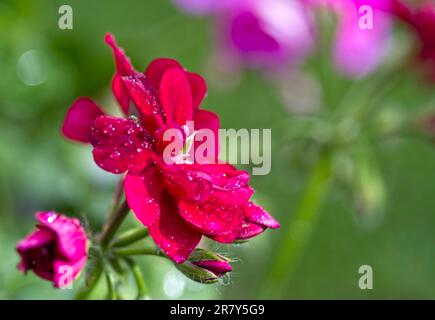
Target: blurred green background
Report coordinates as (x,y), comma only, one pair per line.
(43,69)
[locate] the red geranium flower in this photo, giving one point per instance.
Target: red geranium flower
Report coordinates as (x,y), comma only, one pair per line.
(177,202)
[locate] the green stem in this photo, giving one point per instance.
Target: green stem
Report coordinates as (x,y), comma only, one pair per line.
(91,282)
(116,266)
(114,220)
(126,252)
(117,196)
(142,290)
(130,237)
(111,293)
(299,230)
(113,224)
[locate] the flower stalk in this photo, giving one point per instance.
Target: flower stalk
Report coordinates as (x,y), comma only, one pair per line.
(127,252)
(299,230)
(111,292)
(91,281)
(109,229)
(113,224)
(130,236)
(142,290)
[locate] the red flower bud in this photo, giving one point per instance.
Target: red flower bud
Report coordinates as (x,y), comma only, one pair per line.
(56,251)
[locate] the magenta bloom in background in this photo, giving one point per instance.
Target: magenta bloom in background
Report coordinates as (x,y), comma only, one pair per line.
(360,45)
(358,51)
(258,33)
(276,33)
(56,251)
(203,6)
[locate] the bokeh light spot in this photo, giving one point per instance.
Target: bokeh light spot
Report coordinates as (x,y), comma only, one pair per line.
(30,68)
(174,284)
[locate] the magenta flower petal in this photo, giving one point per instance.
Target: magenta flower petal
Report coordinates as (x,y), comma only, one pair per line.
(142,94)
(79,119)
(184,184)
(39,237)
(248,35)
(57,239)
(123,68)
(144,97)
(120,144)
(157,68)
(204,119)
(64,272)
(199,183)
(224,176)
(198,86)
(28,248)
(229,237)
(219,268)
(121,93)
(230,186)
(39,260)
(237,197)
(258,215)
(171,233)
(176,97)
(358,51)
(143,193)
(123,64)
(250,230)
(211,219)
(71,238)
(265,34)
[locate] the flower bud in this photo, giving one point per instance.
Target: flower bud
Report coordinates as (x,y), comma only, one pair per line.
(56,251)
(205,266)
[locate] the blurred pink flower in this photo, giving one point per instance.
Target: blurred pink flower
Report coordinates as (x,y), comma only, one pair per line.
(360,45)
(56,251)
(202,6)
(258,33)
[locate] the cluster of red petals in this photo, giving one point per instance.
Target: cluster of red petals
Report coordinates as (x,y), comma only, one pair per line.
(56,250)
(178,203)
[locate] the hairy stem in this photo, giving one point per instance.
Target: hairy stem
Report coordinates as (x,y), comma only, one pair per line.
(111,292)
(130,236)
(138,278)
(91,282)
(126,252)
(114,220)
(113,224)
